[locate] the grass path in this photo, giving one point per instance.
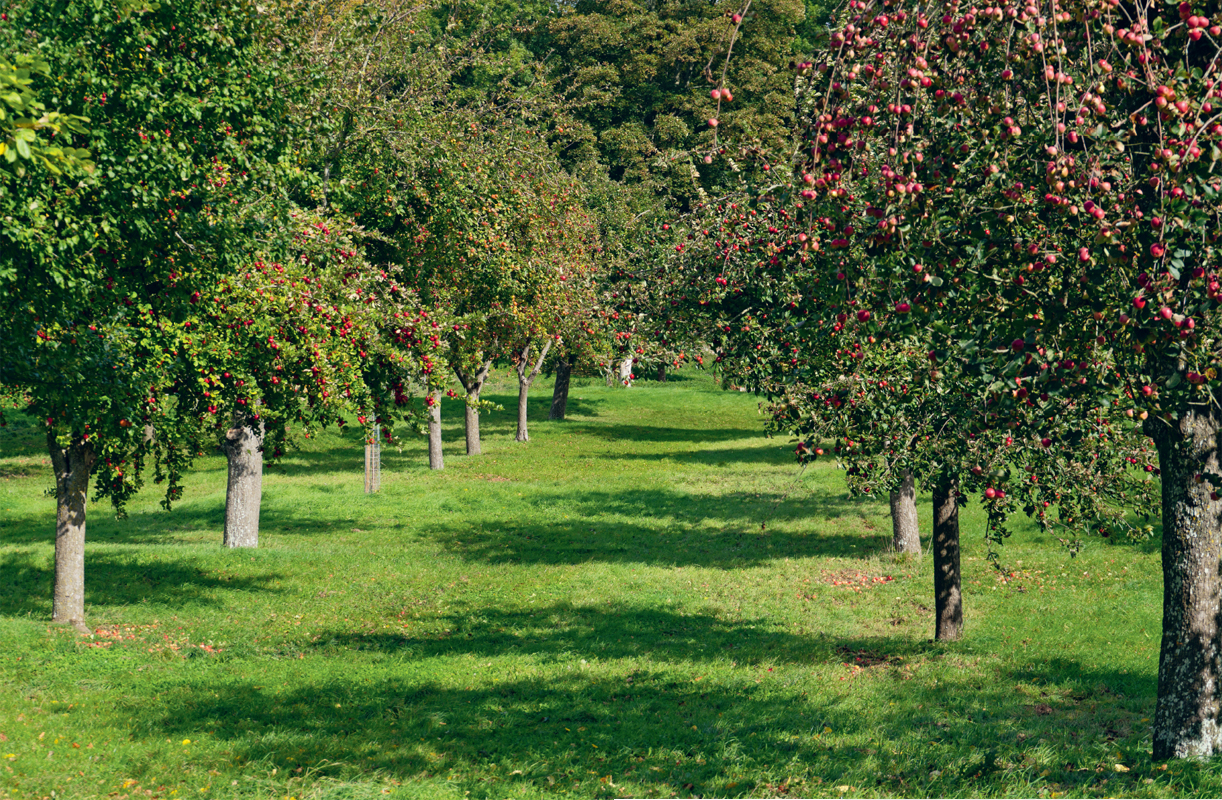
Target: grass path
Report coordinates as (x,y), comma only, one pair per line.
(594,614)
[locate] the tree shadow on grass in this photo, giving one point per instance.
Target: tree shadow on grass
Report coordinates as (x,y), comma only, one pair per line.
(764,453)
(647,526)
(659,526)
(646,434)
(565,633)
(446,707)
(119,579)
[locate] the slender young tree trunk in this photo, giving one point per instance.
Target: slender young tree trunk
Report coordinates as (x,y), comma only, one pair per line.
(523,435)
(661,373)
(560,393)
(474,384)
(435,459)
(947,585)
(1190,658)
(244,493)
(525,379)
(905,536)
(73,466)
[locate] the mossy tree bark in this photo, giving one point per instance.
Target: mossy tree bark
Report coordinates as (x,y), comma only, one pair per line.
(1190,656)
(560,392)
(947,581)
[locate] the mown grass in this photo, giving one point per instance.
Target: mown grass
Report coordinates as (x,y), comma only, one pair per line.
(597,613)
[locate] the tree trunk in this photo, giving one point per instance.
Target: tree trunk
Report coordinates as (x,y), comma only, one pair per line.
(560,394)
(73,466)
(947,585)
(526,376)
(625,372)
(245,490)
(474,384)
(435,459)
(1186,713)
(523,435)
(905,535)
(471,426)
(661,373)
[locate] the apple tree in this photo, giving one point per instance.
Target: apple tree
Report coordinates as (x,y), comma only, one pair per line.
(131,289)
(1049,167)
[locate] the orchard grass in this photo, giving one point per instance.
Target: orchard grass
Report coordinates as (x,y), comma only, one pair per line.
(647,599)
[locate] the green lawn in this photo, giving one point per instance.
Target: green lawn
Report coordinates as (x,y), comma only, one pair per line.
(597,613)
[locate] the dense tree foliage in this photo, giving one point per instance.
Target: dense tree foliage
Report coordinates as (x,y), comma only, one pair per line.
(1025,193)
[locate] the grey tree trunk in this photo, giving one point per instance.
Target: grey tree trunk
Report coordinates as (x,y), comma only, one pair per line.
(947,583)
(1190,658)
(526,376)
(474,384)
(661,373)
(73,466)
(523,435)
(244,493)
(560,393)
(435,459)
(471,426)
(905,535)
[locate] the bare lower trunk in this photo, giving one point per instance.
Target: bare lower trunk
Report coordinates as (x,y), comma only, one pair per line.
(526,376)
(1190,658)
(661,373)
(73,466)
(625,371)
(905,536)
(474,384)
(560,393)
(523,435)
(244,493)
(471,426)
(947,584)
(435,459)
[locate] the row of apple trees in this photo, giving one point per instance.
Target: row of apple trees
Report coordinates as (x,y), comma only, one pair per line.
(225,223)
(989,262)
